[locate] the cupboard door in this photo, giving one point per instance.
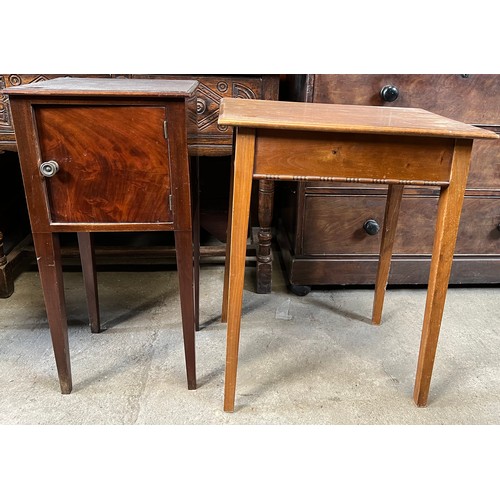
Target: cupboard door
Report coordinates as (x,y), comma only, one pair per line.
(113,163)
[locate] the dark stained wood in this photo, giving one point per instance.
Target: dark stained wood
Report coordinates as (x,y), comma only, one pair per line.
(247,165)
(195,203)
(322,222)
(325,235)
(265,236)
(121,186)
(471,99)
(184,254)
(51,277)
(6,284)
(123,165)
(205,136)
(105,87)
(87,255)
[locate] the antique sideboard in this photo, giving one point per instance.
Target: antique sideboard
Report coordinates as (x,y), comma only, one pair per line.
(329,233)
(208,141)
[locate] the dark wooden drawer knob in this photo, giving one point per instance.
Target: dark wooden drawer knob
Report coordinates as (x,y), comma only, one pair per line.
(49,168)
(371,226)
(389,93)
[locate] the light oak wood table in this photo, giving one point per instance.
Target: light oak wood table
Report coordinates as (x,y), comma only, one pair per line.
(365,144)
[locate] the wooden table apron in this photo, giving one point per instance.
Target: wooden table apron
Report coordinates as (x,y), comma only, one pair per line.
(396,160)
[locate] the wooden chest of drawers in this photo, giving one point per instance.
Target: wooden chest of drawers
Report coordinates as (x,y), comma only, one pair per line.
(328,232)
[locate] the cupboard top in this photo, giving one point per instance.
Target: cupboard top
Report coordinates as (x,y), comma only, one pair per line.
(106,87)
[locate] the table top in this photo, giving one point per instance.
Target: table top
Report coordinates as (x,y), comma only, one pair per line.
(106,87)
(344,118)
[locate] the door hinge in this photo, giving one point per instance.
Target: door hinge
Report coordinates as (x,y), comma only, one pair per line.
(170,202)
(165,132)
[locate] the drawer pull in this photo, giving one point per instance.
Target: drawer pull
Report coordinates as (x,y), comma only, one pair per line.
(389,93)
(49,168)
(498,227)
(371,226)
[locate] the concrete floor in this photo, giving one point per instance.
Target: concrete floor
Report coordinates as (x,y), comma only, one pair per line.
(303,360)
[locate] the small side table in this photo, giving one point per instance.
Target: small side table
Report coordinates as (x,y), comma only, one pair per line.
(330,142)
(105,155)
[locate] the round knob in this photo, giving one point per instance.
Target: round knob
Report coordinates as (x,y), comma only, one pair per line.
(49,168)
(371,226)
(389,93)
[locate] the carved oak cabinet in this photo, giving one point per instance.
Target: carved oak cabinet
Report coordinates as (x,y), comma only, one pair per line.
(329,233)
(205,139)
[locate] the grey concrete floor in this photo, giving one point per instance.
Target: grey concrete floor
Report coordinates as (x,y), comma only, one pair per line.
(303,360)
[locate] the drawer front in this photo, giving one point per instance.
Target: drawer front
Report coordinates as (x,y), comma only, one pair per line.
(468,98)
(485,165)
(106,172)
(334,225)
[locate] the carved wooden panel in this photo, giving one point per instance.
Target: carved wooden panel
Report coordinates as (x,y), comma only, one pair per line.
(7,136)
(205,135)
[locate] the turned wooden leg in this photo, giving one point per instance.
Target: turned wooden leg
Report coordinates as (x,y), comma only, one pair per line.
(87,257)
(448,219)
(239,209)
(6,281)
(264,253)
(184,253)
(195,206)
(394,195)
(49,266)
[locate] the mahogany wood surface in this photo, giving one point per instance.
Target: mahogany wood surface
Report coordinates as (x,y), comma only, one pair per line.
(87,255)
(122,154)
(205,138)
(51,277)
(467,98)
(106,87)
(129,177)
(453,170)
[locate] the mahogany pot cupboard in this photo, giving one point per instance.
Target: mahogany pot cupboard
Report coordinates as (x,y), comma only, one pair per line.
(106,155)
(209,143)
